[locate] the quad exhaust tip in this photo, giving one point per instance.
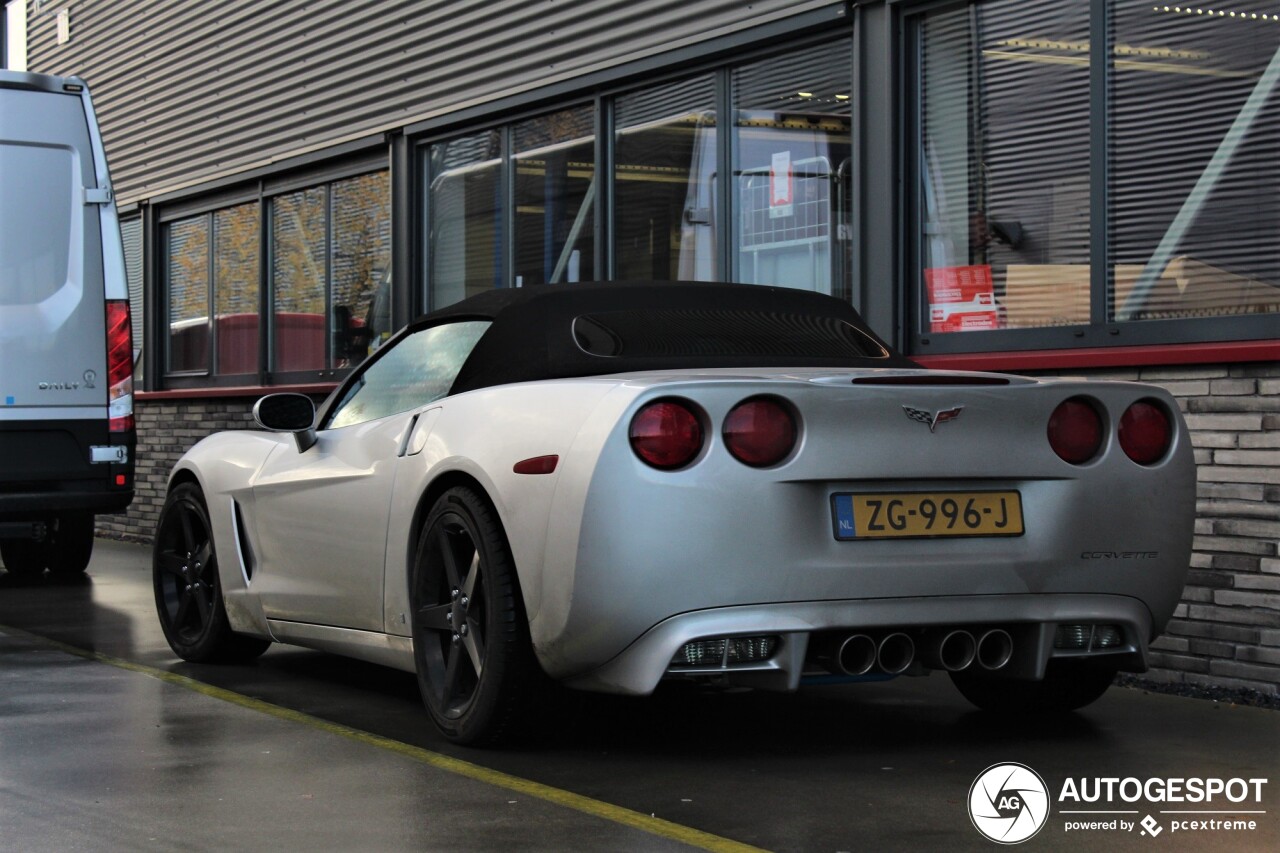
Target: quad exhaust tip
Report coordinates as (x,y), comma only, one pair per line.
(857,655)
(953,651)
(995,648)
(895,652)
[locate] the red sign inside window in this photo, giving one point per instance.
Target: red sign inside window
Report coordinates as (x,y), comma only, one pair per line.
(961,299)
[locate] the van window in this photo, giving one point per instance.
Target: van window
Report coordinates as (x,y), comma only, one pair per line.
(35,214)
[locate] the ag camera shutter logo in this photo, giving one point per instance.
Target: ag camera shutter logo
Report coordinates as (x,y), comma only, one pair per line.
(1008,803)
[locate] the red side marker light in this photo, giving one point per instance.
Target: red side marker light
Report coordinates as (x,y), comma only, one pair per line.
(537,465)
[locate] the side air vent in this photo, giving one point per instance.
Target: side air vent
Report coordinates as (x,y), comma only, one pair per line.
(244,552)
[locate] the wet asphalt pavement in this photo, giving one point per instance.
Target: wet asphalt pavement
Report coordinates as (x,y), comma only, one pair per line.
(108,742)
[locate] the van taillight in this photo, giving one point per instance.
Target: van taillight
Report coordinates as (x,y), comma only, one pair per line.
(119,366)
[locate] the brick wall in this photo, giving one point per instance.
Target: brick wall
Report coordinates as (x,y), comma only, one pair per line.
(1226,631)
(166,430)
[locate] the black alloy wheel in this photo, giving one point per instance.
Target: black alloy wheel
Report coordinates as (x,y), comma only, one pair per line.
(188,592)
(470,637)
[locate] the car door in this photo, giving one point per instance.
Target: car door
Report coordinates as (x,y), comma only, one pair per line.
(321,515)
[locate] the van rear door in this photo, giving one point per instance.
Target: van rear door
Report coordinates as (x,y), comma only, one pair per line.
(52,309)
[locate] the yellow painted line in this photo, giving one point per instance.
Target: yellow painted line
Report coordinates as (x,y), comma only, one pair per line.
(596,808)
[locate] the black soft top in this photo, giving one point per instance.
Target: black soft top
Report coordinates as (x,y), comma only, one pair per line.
(592,329)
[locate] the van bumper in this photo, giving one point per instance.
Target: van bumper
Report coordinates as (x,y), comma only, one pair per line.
(21,506)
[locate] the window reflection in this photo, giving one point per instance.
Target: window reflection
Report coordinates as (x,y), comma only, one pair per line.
(665,219)
(1004,166)
(330,259)
(791,132)
(359,264)
(464,243)
(187,250)
(555,190)
(421,369)
(298,225)
(1195,188)
(235,288)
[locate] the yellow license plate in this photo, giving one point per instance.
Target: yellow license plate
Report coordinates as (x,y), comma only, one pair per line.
(926,514)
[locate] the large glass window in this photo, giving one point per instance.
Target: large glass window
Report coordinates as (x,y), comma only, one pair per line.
(1004,166)
(328,281)
(235,288)
(1039,157)
(187,268)
(792,164)
(555,190)
(330,252)
(359,261)
(1195,177)
(522,205)
(298,276)
(665,174)
(464,217)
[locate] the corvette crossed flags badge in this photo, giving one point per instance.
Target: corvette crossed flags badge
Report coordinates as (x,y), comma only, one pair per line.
(932,419)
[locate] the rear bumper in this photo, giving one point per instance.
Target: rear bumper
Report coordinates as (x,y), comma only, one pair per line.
(18,506)
(47,467)
(1030,619)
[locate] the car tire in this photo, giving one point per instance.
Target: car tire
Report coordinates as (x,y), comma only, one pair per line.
(187,588)
(69,548)
(475,663)
(1067,686)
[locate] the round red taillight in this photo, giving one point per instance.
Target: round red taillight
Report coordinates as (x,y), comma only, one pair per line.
(1075,431)
(666,434)
(760,432)
(1145,432)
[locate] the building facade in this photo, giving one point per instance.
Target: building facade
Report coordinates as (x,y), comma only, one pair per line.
(983,183)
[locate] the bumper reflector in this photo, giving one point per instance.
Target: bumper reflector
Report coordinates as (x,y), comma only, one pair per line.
(1107,636)
(1072,636)
(725,651)
(751,649)
(1087,637)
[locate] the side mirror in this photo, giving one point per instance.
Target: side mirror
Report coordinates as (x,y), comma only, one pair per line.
(294,413)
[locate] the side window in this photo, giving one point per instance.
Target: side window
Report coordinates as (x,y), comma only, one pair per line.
(418,369)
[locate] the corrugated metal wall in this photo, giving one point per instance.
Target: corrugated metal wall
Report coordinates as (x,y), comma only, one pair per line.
(188,91)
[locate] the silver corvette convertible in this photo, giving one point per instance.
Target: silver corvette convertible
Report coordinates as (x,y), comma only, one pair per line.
(613,485)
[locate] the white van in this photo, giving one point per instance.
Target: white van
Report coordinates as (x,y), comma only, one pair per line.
(67,435)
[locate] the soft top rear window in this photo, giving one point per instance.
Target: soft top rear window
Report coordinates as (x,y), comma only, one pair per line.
(674,332)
